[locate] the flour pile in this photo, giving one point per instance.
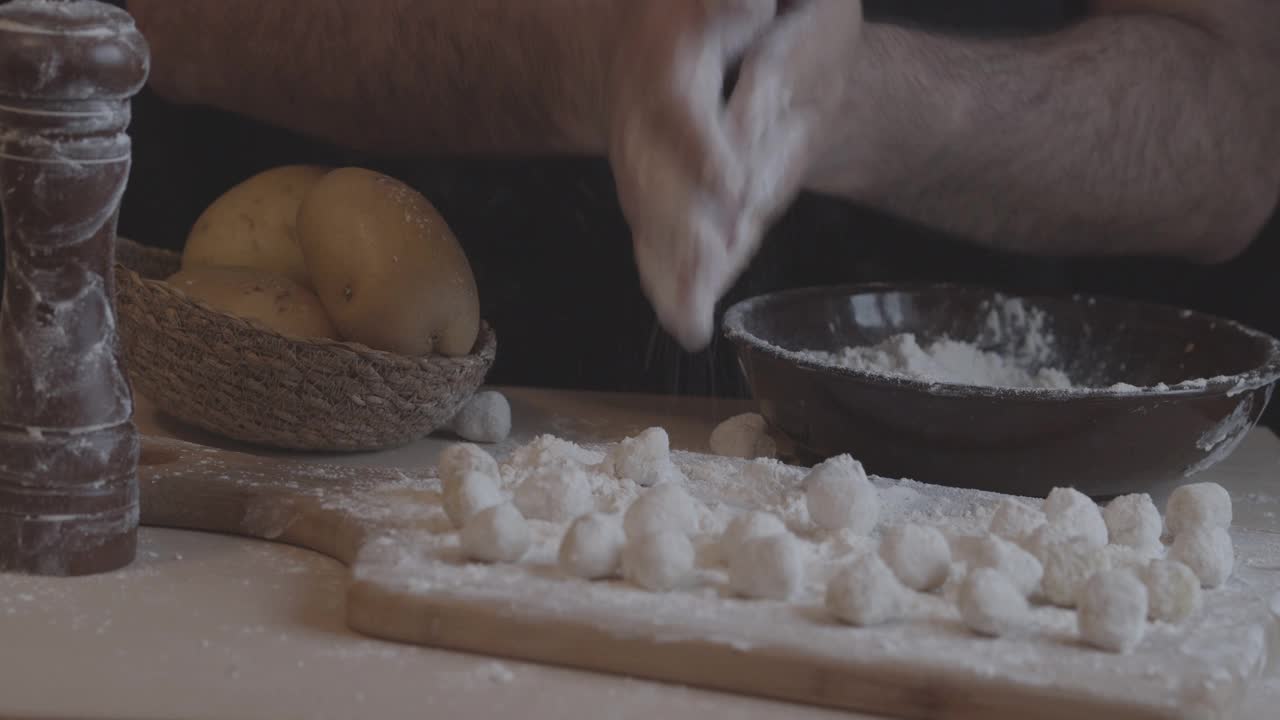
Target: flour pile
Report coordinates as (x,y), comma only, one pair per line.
(943,361)
(1014,348)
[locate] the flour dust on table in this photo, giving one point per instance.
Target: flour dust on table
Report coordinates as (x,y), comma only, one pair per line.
(727,550)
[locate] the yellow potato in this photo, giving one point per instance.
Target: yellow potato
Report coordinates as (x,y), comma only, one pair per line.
(254,224)
(386,266)
(272,299)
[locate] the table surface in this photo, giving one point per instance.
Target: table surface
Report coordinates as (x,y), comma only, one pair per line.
(221,627)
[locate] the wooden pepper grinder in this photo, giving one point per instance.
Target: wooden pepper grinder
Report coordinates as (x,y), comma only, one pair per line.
(68,446)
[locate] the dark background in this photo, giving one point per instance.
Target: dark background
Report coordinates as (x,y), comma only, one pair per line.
(552,253)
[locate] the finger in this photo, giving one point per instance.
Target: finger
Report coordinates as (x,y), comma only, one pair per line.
(682,265)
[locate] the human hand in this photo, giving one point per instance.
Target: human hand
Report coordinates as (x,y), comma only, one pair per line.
(700,179)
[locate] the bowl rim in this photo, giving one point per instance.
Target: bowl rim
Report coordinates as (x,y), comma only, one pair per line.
(1265,374)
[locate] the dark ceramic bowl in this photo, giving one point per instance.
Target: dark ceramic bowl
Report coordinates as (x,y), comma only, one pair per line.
(1194,386)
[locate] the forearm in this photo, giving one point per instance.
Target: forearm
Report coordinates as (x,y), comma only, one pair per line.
(1122,135)
(403,76)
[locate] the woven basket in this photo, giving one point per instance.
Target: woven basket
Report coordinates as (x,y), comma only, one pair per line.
(239,379)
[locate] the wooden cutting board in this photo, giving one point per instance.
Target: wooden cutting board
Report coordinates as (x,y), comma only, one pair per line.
(373,519)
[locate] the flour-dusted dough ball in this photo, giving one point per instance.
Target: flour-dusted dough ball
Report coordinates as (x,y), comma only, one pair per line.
(1207,551)
(1067,566)
(743,436)
(1133,521)
(865,592)
(1048,534)
(990,604)
(1015,520)
(555,494)
(485,418)
(1195,505)
(1070,508)
(498,534)
(666,506)
(658,561)
(461,458)
(592,547)
(769,567)
(1113,611)
(1021,568)
(839,495)
(747,525)
(918,554)
(1173,591)
(644,459)
(474,493)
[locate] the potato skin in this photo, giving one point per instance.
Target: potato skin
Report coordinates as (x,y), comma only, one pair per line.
(254,224)
(386,266)
(272,299)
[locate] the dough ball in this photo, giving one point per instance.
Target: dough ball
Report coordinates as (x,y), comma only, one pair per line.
(990,604)
(1133,521)
(865,592)
(592,547)
(743,436)
(497,534)
(839,495)
(1173,591)
(461,458)
(1123,557)
(1195,505)
(1113,611)
(474,493)
(1207,551)
(1020,567)
(486,418)
(644,459)
(770,567)
(666,506)
(1067,567)
(658,561)
(1070,508)
(1045,535)
(918,554)
(743,527)
(555,494)
(1015,520)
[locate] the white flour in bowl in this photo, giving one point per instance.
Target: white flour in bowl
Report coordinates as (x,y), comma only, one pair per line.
(944,361)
